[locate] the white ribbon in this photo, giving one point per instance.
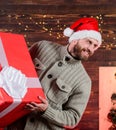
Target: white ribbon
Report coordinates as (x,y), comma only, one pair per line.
(13,82)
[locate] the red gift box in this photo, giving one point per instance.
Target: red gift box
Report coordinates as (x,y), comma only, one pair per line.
(14,52)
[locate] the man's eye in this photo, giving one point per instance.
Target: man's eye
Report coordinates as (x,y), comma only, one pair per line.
(95,46)
(90,42)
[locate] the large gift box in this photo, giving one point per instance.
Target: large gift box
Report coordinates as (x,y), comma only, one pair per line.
(14,52)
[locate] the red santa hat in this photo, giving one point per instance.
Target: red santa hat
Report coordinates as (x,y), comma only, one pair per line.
(84,28)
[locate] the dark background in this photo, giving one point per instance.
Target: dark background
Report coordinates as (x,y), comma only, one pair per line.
(46,19)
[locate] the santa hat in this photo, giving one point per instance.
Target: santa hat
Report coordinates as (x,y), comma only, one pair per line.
(84,28)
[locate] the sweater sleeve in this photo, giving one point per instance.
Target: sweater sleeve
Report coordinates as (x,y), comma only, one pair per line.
(34,49)
(73,110)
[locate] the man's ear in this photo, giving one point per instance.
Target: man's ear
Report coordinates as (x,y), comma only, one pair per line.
(75,41)
(72,44)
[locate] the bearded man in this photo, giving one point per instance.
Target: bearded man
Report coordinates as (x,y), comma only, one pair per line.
(65,82)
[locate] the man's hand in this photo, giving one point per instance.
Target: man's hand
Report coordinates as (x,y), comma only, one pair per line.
(41,107)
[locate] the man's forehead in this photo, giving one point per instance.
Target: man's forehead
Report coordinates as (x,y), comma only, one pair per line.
(92,39)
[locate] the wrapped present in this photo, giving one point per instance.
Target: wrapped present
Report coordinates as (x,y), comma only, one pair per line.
(14,97)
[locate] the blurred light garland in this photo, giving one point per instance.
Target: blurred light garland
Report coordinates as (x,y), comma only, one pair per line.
(41,22)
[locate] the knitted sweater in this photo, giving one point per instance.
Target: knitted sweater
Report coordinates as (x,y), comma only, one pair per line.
(66,84)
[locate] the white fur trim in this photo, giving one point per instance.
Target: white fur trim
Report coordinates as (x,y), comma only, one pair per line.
(68,32)
(86,34)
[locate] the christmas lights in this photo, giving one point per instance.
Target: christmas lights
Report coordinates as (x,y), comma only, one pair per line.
(41,22)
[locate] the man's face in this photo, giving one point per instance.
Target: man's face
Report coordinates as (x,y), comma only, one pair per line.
(84,48)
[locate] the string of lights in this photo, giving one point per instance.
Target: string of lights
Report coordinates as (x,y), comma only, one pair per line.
(42,23)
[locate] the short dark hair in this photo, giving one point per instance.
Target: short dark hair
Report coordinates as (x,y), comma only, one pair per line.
(113,97)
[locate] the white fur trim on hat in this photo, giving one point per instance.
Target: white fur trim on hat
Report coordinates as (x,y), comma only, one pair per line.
(86,34)
(68,32)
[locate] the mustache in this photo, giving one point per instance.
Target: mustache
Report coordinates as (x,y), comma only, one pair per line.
(88,51)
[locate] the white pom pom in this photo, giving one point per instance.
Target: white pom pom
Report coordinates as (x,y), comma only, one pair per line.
(68,32)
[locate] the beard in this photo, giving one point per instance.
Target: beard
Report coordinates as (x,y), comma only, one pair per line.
(80,53)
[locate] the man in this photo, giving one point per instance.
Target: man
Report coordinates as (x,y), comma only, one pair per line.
(66,84)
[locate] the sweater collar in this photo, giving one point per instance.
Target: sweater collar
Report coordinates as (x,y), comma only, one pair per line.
(65,56)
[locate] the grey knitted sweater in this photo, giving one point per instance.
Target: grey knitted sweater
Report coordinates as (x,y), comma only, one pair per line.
(66,84)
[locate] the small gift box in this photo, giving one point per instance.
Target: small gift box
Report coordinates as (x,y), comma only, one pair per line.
(25,86)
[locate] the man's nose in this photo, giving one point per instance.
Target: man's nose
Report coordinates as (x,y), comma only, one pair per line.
(91,48)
